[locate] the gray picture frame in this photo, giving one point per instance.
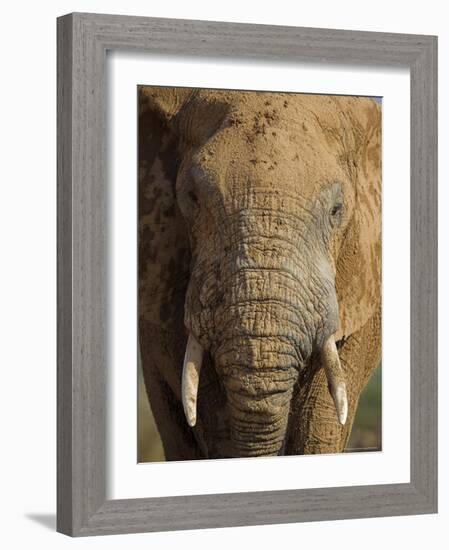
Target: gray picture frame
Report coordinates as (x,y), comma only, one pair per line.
(83,40)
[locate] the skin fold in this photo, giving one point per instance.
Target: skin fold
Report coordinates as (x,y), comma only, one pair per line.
(259,236)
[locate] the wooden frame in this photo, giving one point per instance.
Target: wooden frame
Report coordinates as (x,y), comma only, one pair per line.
(83,40)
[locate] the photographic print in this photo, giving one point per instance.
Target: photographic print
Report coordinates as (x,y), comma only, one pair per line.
(259,277)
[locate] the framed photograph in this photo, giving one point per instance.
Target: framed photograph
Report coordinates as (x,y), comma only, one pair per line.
(247,280)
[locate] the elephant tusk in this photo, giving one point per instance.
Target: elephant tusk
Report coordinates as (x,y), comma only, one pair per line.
(335,379)
(191,377)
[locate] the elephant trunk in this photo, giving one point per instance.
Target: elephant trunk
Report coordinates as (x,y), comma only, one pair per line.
(258,395)
(258,425)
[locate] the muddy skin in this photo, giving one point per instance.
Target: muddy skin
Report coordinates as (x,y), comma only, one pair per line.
(259,234)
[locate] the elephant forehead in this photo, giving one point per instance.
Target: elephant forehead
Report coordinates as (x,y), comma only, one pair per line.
(296,143)
(282,159)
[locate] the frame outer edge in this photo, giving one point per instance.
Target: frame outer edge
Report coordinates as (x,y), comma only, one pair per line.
(424,273)
(64,274)
(82,268)
(253,41)
(262,508)
(82,281)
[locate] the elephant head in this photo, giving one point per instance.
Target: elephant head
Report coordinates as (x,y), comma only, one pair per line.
(276,200)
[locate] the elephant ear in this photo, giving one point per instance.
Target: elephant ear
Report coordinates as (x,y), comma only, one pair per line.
(358,279)
(165,102)
(164,252)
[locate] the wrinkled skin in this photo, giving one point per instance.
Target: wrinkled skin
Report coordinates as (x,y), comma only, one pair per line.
(260,235)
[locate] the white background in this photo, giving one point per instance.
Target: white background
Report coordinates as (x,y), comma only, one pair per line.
(131,480)
(27,301)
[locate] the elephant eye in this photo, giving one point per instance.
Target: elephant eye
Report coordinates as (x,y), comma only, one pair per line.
(336,213)
(187,198)
(193,197)
(336,209)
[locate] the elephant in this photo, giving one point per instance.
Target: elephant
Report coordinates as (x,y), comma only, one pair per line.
(259,268)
